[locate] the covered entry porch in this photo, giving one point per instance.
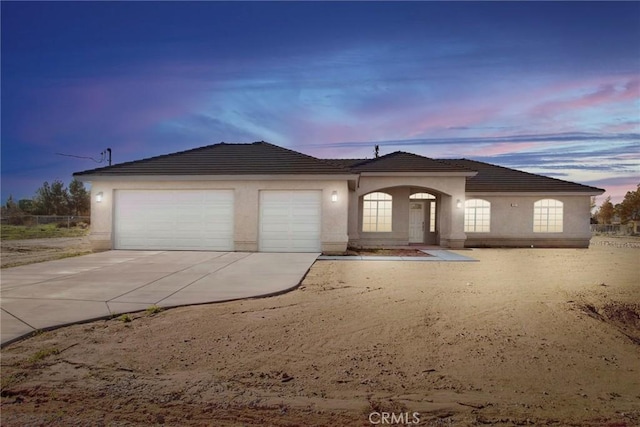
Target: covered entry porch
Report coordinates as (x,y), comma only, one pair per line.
(406,215)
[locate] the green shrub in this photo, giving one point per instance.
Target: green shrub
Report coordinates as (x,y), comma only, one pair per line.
(125,318)
(154,309)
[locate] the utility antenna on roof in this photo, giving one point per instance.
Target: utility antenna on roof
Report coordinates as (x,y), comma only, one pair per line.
(106,153)
(376,149)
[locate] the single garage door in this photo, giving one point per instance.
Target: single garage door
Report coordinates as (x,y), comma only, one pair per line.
(290,221)
(174,219)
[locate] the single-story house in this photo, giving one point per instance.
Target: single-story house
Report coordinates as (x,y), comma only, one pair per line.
(261,197)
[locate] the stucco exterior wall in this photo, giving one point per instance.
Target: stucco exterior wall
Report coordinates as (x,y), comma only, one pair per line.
(511,214)
(512,222)
(246,211)
(447,189)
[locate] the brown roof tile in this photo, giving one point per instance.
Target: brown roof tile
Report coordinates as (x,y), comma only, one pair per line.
(346,163)
(400,161)
(493,178)
(258,158)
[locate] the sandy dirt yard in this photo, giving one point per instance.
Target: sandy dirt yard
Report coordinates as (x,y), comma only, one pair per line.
(522,337)
(20,252)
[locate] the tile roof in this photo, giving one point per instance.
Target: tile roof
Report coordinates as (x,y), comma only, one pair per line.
(262,158)
(346,163)
(493,178)
(399,161)
(258,158)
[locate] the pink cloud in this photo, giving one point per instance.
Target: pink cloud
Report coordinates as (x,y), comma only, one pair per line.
(616,192)
(505,113)
(522,109)
(608,93)
(512,107)
(453,117)
(504,148)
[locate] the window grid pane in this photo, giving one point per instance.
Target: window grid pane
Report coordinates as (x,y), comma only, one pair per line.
(376,212)
(477,216)
(548,216)
(422,196)
(432,218)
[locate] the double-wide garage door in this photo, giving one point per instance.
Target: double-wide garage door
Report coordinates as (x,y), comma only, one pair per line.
(289,221)
(174,219)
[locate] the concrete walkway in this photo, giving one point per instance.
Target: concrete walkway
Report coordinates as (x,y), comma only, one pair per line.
(100,285)
(433,255)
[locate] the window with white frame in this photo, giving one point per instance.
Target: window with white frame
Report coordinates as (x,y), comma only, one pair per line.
(432,217)
(477,216)
(376,212)
(547,216)
(419,196)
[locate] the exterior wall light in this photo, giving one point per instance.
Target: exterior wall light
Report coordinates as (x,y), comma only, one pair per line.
(334,196)
(99,197)
(458,204)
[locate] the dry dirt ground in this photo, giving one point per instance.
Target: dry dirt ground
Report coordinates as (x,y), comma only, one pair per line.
(19,252)
(522,337)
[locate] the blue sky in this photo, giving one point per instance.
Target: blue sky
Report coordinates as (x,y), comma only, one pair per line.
(551,88)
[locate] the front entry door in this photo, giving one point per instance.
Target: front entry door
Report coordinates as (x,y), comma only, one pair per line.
(416,221)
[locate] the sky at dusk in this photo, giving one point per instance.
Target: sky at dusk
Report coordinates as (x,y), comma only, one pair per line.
(550,88)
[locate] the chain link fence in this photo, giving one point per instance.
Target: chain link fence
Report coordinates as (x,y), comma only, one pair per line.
(629,229)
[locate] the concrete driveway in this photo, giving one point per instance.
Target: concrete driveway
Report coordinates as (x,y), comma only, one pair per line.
(71,290)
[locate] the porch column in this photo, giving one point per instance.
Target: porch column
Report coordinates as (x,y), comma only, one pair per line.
(453,235)
(354,209)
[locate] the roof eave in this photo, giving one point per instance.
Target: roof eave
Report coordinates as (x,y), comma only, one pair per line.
(440,174)
(586,192)
(239,177)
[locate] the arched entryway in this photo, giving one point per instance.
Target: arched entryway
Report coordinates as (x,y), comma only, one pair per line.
(399,216)
(444,221)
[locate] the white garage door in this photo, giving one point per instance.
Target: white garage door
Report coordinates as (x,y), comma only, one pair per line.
(290,221)
(174,219)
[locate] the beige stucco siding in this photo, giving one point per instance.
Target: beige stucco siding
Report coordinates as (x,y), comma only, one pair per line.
(246,207)
(341,221)
(512,221)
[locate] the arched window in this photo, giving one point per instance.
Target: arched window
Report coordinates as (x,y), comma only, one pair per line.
(376,212)
(547,216)
(421,196)
(477,216)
